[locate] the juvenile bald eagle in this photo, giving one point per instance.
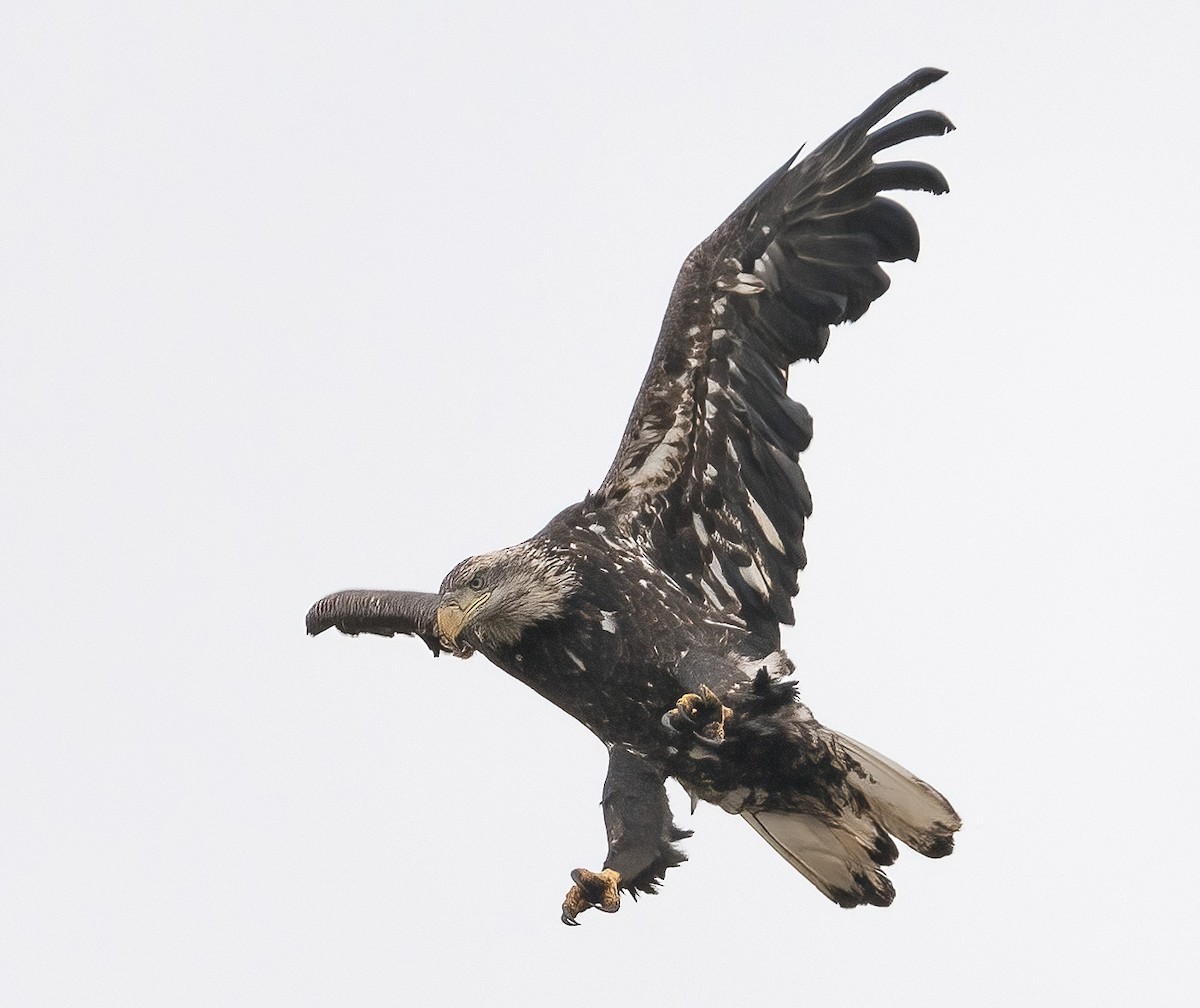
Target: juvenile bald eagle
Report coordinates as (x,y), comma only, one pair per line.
(650,610)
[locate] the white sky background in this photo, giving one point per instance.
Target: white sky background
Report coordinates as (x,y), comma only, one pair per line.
(297,298)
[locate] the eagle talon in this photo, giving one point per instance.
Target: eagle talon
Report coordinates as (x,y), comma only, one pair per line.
(591,889)
(701,715)
(458,650)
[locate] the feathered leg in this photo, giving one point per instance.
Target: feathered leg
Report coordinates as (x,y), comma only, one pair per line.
(641,836)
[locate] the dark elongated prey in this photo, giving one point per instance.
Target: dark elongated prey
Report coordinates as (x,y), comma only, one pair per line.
(650,610)
(386,613)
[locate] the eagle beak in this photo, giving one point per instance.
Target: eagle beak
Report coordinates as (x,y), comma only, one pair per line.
(454,614)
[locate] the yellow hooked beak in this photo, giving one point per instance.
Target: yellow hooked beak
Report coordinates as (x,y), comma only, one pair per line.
(456,613)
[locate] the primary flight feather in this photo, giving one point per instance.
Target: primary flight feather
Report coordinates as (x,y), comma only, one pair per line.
(650,610)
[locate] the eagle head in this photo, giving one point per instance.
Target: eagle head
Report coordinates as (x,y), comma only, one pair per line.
(489,601)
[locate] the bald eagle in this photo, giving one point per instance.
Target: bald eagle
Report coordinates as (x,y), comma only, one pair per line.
(650,610)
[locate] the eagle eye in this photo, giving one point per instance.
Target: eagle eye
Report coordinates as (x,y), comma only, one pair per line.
(475,583)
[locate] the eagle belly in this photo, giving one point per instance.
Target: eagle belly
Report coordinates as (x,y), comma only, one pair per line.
(619,700)
(613,661)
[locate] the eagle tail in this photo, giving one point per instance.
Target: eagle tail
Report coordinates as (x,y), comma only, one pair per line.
(903,804)
(831,854)
(841,848)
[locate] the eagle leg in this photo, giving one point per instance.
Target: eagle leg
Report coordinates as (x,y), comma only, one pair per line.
(641,836)
(701,715)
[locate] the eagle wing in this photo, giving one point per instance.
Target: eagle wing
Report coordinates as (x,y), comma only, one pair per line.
(706,479)
(363,610)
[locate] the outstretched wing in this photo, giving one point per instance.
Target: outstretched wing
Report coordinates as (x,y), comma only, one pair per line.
(706,479)
(386,613)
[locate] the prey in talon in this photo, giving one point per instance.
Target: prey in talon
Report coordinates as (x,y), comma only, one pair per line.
(650,611)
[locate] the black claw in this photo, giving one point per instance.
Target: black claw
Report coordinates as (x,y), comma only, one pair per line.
(570,921)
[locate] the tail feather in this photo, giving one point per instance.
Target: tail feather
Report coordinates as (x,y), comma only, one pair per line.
(826,854)
(827,804)
(842,845)
(905,805)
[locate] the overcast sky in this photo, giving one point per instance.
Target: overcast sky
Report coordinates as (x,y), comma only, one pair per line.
(298,297)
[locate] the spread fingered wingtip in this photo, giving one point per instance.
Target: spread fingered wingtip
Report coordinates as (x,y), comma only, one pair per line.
(926,76)
(894,95)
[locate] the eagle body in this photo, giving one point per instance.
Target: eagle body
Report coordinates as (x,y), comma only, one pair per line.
(650,611)
(612,661)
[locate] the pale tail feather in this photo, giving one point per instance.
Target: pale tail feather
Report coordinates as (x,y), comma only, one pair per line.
(905,805)
(831,857)
(842,854)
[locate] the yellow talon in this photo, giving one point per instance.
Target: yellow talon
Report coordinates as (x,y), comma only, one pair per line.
(592,889)
(706,711)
